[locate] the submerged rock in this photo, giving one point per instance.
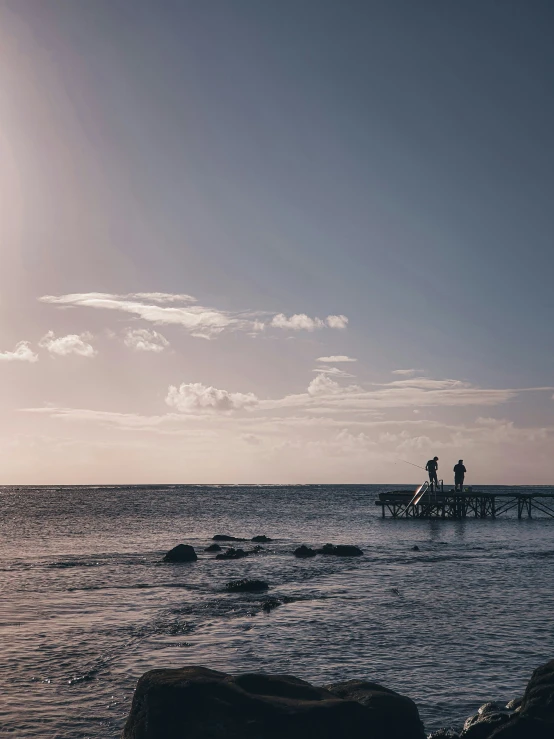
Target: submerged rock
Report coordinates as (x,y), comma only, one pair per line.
(246,586)
(181,553)
(197,703)
(271,603)
(415,548)
(304,551)
(340,550)
(261,538)
(443,734)
(225,537)
(392,714)
(232,554)
(213,548)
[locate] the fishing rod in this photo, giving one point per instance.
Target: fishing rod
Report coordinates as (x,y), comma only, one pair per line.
(414,465)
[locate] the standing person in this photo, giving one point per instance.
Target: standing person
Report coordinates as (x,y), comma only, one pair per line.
(432,467)
(459,474)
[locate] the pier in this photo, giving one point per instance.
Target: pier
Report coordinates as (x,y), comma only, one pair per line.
(450,504)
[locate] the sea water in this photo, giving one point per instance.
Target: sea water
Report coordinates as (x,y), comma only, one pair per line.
(87,605)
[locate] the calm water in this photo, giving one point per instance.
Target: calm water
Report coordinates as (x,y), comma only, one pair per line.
(87,606)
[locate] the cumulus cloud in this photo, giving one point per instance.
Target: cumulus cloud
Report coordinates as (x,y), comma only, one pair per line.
(337,321)
(194,397)
(323,385)
(21,353)
(145,340)
(70,344)
(334,359)
(302,322)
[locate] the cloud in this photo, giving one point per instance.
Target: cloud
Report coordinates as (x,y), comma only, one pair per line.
(195,397)
(251,439)
(21,353)
(323,385)
(335,359)
(337,321)
(145,340)
(407,372)
(70,344)
(302,322)
(332,371)
(182,310)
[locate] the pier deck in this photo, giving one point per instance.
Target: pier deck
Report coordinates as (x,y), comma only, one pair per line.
(456,505)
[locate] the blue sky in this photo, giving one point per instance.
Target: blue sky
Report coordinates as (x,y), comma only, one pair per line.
(389,162)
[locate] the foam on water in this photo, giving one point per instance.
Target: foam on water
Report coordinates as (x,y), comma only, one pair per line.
(87,605)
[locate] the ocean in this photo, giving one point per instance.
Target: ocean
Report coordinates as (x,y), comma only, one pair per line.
(87,605)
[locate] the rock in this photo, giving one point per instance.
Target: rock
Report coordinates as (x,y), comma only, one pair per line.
(261,538)
(514,704)
(271,603)
(340,550)
(535,717)
(224,537)
(443,734)
(181,553)
(213,548)
(415,548)
(304,551)
(489,708)
(256,549)
(246,586)
(393,715)
(196,703)
(482,726)
(232,554)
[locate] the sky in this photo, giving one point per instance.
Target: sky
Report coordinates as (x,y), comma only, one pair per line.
(276,241)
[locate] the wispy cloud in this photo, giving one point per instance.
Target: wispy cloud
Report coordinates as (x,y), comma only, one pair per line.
(70,344)
(182,310)
(406,372)
(194,397)
(145,340)
(335,371)
(21,353)
(336,359)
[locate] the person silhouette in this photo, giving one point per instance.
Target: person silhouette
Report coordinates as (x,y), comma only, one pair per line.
(459,474)
(432,467)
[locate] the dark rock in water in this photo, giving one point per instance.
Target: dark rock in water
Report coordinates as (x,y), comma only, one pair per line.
(232,554)
(246,586)
(224,537)
(535,717)
(271,603)
(304,551)
(489,708)
(443,734)
(415,548)
(213,548)
(340,550)
(196,703)
(514,704)
(256,549)
(392,714)
(181,553)
(483,725)
(261,538)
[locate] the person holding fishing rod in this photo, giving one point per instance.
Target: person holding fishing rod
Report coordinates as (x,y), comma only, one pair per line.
(432,467)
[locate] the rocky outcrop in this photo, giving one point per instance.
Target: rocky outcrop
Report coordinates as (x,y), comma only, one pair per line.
(304,551)
(392,714)
(225,537)
(232,554)
(196,703)
(213,548)
(261,538)
(181,553)
(340,550)
(246,586)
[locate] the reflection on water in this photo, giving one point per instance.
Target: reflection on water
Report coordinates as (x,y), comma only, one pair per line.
(88,606)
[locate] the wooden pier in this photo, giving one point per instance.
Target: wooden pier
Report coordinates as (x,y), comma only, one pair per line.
(443,504)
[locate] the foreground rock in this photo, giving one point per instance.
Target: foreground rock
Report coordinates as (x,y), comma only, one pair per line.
(196,703)
(246,586)
(340,550)
(393,715)
(181,553)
